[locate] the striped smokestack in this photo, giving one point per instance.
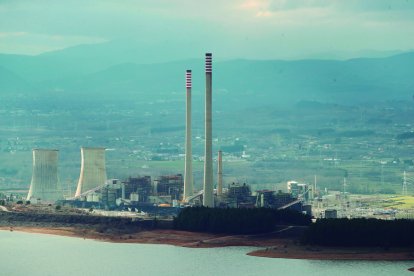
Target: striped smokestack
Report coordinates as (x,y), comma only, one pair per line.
(188,170)
(219,173)
(188,79)
(208,199)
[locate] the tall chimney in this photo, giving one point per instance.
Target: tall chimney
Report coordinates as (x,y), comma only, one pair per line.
(93,170)
(208,199)
(44,184)
(219,173)
(188,170)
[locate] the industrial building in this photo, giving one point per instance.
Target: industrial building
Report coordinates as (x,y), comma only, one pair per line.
(239,193)
(109,195)
(169,185)
(265,198)
(137,189)
(299,189)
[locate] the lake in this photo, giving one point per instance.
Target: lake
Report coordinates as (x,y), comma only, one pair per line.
(37,254)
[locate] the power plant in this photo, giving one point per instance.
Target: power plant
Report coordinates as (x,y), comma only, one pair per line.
(162,197)
(94,191)
(44,184)
(208,199)
(93,170)
(188,170)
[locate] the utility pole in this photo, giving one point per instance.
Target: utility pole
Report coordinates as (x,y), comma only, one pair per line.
(404,187)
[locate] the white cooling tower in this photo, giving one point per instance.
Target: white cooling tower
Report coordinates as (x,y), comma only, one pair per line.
(93,170)
(44,184)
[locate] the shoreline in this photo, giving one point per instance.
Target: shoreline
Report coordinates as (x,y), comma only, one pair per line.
(335,254)
(271,247)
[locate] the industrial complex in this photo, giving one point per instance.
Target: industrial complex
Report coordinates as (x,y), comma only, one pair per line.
(164,193)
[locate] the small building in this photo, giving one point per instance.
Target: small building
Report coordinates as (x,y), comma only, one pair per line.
(298,189)
(331,214)
(307,209)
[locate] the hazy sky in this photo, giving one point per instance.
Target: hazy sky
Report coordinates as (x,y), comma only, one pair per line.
(234,28)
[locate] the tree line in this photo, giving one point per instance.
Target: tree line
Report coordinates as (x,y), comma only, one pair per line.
(236,221)
(360,232)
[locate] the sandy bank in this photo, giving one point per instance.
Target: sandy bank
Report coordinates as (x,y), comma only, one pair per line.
(157,236)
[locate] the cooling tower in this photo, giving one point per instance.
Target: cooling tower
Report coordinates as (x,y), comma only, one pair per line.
(208,199)
(44,184)
(219,173)
(93,171)
(188,170)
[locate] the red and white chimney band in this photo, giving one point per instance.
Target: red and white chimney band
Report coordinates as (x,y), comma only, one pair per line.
(208,63)
(188,79)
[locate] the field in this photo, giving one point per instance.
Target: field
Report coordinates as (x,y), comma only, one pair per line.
(400,202)
(351,148)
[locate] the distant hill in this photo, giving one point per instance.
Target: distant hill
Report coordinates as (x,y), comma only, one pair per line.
(83,59)
(12,83)
(246,82)
(237,83)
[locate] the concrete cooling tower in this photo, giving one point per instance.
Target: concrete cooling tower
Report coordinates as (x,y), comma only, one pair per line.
(44,184)
(93,171)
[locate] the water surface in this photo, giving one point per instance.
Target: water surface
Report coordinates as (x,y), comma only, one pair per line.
(38,254)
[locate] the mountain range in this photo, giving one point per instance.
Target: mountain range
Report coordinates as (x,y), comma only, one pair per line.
(97,72)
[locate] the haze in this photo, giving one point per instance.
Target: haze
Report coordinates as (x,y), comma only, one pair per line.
(254,29)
